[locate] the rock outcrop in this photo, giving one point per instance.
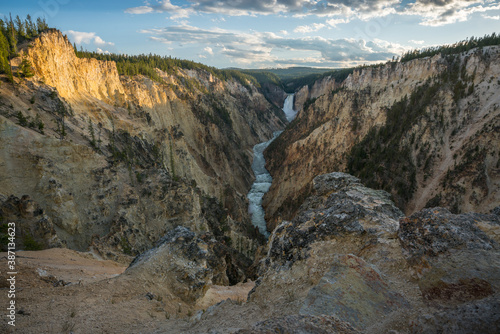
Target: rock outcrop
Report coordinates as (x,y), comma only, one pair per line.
(298,324)
(348,262)
(349,253)
(186,265)
(320,87)
(340,246)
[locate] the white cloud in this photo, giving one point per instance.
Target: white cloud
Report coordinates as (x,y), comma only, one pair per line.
(497,17)
(432,12)
(99,50)
(139,10)
(284,32)
(263,48)
(219,19)
(160,7)
(209,50)
(358,8)
(436,13)
(310,28)
(99,41)
(80,37)
(416,42)
(334,22)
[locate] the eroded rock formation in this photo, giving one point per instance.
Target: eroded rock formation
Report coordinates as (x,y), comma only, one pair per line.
(116,162)
(425,130)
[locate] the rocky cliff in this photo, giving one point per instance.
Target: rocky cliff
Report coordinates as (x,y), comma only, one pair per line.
(115,162)
(349,253)
(425,130)
(348,262)
(318,88)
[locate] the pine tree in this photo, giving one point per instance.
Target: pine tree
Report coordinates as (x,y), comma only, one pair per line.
(21,32)
(41,25)
(21,119)
(39,123)
(4,57)
(25,68)
(93,142)
(30,27)
(11,38)
(61,126)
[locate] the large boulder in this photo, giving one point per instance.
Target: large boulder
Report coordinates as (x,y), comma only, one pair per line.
(186,264)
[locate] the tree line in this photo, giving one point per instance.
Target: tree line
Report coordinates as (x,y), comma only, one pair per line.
(147,64)
(12,33)
(459,47)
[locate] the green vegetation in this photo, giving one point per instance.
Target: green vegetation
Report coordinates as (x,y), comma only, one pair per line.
(126,247)
(21,119)
(61,113)
(292,84)
(293,78)
(172,162)
(4,237)
(25,69)
(93,141)
(39,124)
(382,160)
(30,243)
(462,46)
(147,64)
(264,77)
(12,33)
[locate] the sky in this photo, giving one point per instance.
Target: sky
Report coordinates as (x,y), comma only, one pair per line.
(265,33)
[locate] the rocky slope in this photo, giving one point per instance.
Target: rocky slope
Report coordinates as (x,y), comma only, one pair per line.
(348,262)
(425,130)
(115,162)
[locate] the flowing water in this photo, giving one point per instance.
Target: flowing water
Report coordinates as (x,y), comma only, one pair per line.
(263,179)
(288,108)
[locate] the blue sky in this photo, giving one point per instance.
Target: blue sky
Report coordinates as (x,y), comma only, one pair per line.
(265,33)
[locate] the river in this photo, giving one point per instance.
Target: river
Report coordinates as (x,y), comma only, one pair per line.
(263,179)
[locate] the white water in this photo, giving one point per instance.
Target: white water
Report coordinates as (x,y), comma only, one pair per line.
(260,186)
(288,108)
(263,179)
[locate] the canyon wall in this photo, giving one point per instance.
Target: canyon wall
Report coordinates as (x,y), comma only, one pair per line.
(425,130)
(320,87)
(118,161)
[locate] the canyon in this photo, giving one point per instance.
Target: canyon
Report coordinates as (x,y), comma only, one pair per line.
(137,199)
(445,153)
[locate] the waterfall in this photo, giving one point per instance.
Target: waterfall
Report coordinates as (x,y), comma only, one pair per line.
(288,108)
